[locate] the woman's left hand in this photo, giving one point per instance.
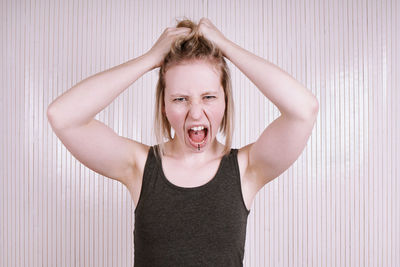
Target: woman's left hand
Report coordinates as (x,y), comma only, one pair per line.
(209,31)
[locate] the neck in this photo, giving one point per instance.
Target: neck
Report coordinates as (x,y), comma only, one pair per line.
(177,150)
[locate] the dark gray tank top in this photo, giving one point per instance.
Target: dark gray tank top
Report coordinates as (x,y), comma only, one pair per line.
(199,226)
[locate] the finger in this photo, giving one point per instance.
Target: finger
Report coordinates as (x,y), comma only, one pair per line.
(204,21)
(180,30)
(184,29)
(183,32)
(176,30)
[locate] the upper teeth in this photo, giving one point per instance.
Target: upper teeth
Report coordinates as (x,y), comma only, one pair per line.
(198,128)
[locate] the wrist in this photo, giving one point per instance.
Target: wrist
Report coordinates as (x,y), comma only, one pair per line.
(225,45)
(151,60)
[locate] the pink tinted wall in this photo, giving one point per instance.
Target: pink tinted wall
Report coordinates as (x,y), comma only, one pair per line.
(337,205)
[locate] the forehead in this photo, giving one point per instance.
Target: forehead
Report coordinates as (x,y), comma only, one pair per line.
(192,76)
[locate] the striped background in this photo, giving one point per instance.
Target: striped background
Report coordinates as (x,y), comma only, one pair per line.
(337,205)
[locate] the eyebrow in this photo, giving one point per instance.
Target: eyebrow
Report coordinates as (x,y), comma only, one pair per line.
(205,93)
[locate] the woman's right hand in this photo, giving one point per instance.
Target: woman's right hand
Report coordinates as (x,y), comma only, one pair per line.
(163,45)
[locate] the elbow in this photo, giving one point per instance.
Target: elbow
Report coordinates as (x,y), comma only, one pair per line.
(315,106)
(52,118)
(49,112)
(312,110)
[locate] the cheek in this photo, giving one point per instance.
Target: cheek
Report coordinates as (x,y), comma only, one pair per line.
(175,116)
(217,113)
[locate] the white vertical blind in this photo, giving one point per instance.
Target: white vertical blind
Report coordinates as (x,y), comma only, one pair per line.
(337,205)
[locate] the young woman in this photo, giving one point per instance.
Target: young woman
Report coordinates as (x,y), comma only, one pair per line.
(192,193)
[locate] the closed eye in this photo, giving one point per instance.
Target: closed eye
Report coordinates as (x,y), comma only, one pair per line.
(209,97)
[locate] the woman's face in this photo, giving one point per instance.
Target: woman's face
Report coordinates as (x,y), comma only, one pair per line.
(194,103)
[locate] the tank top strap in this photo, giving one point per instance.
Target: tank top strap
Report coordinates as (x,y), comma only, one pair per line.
(230,177)
(150,173)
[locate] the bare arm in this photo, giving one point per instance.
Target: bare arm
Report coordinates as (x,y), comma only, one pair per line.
(284,139)
(90,141)
(80,104)
(93,143)
(282,142)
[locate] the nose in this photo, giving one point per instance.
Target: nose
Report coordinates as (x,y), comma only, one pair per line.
(196,111)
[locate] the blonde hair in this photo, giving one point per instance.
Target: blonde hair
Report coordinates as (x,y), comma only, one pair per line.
(193,47)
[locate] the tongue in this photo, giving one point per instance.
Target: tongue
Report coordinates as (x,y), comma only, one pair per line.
(197,136)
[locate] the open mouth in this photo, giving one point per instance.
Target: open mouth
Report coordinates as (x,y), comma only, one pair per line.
(198,136)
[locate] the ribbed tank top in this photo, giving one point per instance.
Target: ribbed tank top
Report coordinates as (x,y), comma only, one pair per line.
(198,226)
